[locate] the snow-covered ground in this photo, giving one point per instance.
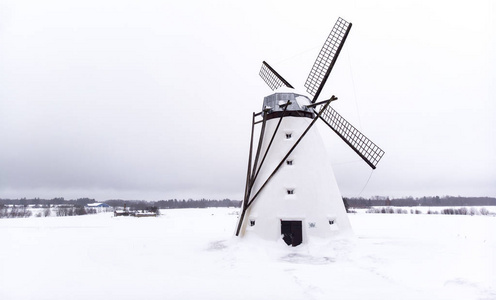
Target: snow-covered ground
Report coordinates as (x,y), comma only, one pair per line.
(191,254)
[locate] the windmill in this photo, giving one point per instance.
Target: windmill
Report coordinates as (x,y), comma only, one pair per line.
(291,191)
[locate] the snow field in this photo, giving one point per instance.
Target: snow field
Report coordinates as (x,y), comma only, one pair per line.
(192,254)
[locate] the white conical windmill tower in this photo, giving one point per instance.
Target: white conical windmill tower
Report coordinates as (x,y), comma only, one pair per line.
(291,192)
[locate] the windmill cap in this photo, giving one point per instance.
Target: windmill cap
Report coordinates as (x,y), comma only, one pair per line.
(296,107)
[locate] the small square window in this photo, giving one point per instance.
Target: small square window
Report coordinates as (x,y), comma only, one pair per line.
(290,191)
(252,223)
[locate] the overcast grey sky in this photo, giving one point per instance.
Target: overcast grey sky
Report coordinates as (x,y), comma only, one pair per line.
(153,99)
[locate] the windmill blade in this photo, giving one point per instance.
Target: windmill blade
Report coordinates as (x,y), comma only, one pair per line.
(327,58)
(272,78)
(364,147)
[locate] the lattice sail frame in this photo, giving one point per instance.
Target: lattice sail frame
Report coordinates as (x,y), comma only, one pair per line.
(364,147)
(327,57)
(272,78)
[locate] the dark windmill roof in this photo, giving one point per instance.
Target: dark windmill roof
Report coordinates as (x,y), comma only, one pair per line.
(275,104)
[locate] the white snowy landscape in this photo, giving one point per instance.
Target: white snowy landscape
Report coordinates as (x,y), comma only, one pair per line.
(192,254)
(103,100)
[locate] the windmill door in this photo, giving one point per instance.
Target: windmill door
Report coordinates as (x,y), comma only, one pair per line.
(292,232)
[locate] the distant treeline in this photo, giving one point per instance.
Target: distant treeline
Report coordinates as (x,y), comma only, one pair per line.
(131,204)
(204,203)
(46,202)
(422,201)
(174,203)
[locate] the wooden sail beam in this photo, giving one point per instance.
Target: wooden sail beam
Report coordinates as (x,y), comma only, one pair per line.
(271,140)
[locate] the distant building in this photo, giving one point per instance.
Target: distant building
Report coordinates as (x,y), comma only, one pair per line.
(97,205)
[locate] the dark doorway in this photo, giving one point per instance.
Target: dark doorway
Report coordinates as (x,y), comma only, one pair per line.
(292,232)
